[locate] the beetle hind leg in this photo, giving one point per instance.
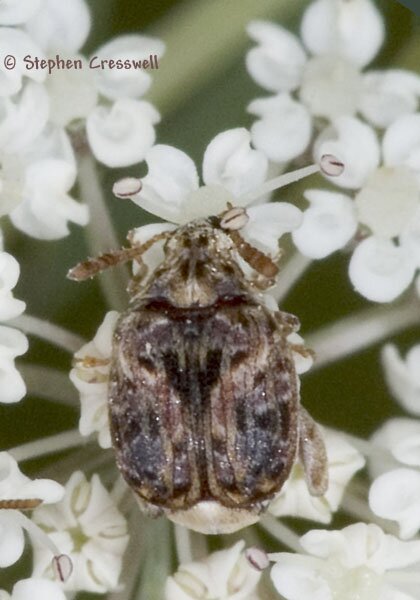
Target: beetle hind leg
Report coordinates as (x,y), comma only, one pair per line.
(312,454)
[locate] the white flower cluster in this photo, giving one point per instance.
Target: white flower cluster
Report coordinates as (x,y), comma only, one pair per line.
(320,88)
(87,526)
(224,575)
(38,108)
(232,172)
(78,534)
(395,492)
(360,561)
(13,343)
(15,487)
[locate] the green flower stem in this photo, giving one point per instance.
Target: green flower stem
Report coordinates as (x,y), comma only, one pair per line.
(49,445)
(48,383)
(280,532)
(58,336)
(100,231)
(359,331)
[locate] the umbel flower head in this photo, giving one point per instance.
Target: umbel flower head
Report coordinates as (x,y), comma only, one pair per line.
(321,77)
(38,111)
(379,202)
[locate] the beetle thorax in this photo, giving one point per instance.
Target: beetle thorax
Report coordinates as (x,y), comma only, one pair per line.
(199,268)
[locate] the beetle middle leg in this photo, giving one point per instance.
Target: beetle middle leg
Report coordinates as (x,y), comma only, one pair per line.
(312,454)
(90,362)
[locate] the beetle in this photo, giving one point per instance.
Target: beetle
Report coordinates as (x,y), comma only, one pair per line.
(204,403)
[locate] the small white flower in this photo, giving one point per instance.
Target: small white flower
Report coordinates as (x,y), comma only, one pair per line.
(224,575)
(395,492)
(14,485)
(119,134)
(60,26)
(46,206)
(24,116)
(34,588)
(10,307)
(18,44)
(403,376)
(360,561)
(16,12)
(122,134)
(126,83)
(386,184)
(92,382)
(295,500)
(396,496)
(397,444)
(231,169)
(13,343)
(88,527)
(283,130)
(328,224)
(342,38)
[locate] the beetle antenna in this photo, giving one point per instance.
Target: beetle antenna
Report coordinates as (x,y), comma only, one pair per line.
(259,261)
(91,267)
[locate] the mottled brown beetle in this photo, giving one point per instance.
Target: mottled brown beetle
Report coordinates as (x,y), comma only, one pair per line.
(204,403)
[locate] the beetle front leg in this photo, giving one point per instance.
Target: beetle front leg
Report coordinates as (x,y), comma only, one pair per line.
(312,454)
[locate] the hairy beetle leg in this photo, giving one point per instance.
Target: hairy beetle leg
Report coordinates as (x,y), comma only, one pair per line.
(312,454)
(90,362)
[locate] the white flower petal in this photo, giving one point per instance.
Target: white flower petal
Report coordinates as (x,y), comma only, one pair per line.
(37,589)
(354,30)
(268,222)
(16,12)
(389,94)
(229,161)
(54,143)
(296,577)
(295,500)
(225,574)
(155,255)
(403,377)
(87,514)
(380,270)
(396,496)
(284,129)
(276,64)
(171,177)
(47,208)
(18,44)
(126,83)
(12,343)
(122,135)
(395,442)
(60,25)
(9,275)
(92,382)
(12,541)
(330,87)
(23,119)
(401,143)
(355,144)
(328,224)
(72,94)
(388,202)
(410,237)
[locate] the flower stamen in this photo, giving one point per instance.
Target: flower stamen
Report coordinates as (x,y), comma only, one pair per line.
(329,165)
